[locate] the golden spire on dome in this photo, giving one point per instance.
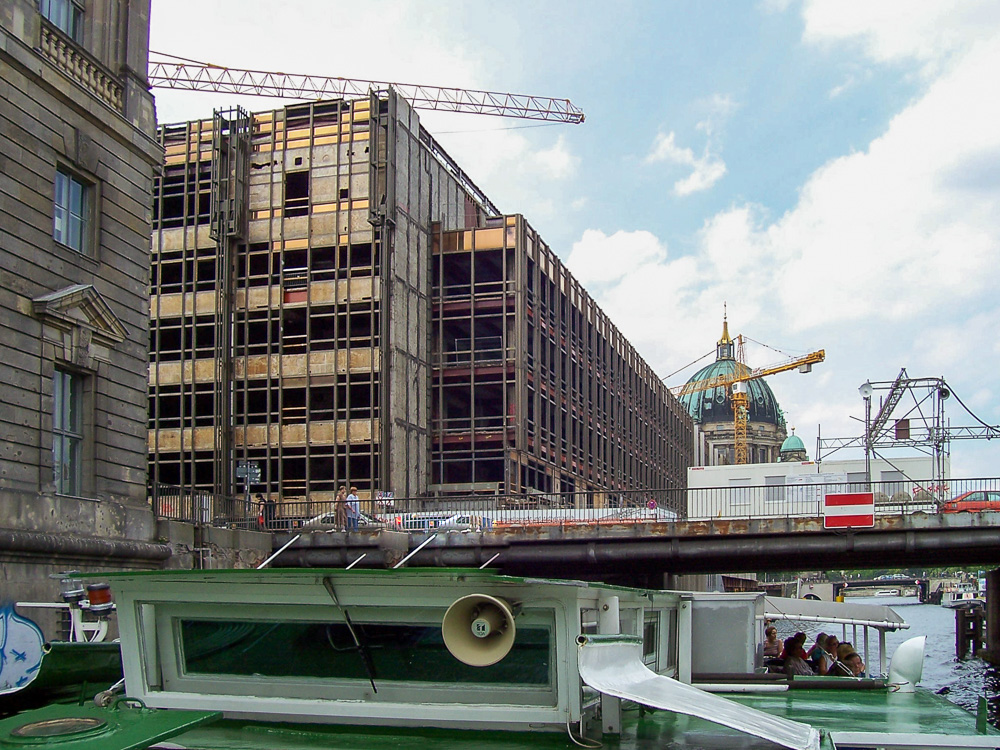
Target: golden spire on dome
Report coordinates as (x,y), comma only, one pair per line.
(724,348)
(725,327)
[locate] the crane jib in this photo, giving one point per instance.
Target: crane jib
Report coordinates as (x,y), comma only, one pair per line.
(197,76)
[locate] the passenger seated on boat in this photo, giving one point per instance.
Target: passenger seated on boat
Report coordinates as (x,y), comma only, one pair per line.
(799,639)
(847,662)
(772,646)
(854,663)
(820,654)
(794,663)
(817,648)
(827,656)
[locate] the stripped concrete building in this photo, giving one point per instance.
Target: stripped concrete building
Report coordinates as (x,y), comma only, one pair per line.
(77,157)
(334,301)
(534,389)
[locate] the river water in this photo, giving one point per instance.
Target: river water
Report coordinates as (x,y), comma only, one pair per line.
(961,681)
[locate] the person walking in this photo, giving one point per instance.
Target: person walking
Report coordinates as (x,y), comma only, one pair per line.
(340,509)
(353,510)
(270,513)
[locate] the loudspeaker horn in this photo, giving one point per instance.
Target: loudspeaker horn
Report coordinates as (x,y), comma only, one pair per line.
(479,629)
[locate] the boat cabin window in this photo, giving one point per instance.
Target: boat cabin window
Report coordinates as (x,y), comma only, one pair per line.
(398,653)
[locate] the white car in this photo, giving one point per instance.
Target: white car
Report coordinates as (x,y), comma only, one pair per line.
(328,522)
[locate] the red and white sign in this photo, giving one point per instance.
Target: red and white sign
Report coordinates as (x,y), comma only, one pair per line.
(849,509)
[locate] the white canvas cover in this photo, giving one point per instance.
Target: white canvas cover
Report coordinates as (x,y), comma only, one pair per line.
(845,613)
(613,665)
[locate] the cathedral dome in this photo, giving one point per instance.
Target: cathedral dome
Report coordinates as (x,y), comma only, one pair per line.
(793,443)
(715,404)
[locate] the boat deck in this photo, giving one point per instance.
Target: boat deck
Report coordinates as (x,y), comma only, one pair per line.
(644,729)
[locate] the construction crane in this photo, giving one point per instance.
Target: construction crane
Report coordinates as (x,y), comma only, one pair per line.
(736,383)
(170,71)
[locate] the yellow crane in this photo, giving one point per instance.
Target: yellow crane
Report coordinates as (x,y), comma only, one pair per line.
(736,383)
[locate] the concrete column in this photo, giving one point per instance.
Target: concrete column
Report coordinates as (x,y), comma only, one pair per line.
(992,650)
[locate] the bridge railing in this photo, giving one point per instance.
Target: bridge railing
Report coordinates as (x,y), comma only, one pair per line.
(804,499)
(481,512)
(418,514)
(195,506)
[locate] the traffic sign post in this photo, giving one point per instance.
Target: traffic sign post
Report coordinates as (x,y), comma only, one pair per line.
(249,472)
(849,510)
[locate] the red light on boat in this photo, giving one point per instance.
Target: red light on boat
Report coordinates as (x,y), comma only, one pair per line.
(99,596)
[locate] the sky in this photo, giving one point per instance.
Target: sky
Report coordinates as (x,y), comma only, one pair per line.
(826,173)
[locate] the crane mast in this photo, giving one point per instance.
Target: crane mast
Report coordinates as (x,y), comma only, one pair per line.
(169,71)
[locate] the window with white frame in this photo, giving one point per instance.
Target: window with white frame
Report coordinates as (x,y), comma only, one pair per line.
(65,15)
(71,215)
(67,431)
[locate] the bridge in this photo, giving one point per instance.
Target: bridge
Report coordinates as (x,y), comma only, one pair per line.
(921,584)
(632,538)
(642,552)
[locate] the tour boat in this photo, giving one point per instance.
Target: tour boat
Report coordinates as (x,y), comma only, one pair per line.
(454,658)
(962,594)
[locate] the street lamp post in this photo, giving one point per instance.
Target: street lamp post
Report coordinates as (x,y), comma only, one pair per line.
(866,393)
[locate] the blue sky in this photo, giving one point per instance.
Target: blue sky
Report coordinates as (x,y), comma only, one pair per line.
(828,170)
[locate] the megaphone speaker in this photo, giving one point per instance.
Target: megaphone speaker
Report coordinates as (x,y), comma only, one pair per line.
(479,629)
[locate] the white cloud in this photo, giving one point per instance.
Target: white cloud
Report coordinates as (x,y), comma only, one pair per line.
(556,162)
(706,173)
(600,259)
(665,148)
(897,30)
(706,169)
(719,107)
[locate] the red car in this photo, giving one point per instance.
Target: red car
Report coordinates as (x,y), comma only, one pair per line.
(974,501)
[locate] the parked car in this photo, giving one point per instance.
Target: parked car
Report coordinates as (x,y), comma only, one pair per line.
(328,522)
(973,501)
(437,522)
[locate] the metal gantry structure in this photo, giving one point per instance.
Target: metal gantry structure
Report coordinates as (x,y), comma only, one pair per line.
(922,426)
(736,383)
(170,71)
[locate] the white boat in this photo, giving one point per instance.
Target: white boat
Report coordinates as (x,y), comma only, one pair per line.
(887,592)
(285,654)
(962,594)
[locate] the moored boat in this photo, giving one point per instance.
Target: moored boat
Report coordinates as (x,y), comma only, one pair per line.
(963,594)
(449,658)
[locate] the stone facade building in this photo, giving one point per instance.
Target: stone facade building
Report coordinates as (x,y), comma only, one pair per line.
(77,159)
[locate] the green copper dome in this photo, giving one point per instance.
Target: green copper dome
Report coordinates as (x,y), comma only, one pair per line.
(715,405)
(792,443)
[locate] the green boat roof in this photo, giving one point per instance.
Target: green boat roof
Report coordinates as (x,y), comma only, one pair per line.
(277,574)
